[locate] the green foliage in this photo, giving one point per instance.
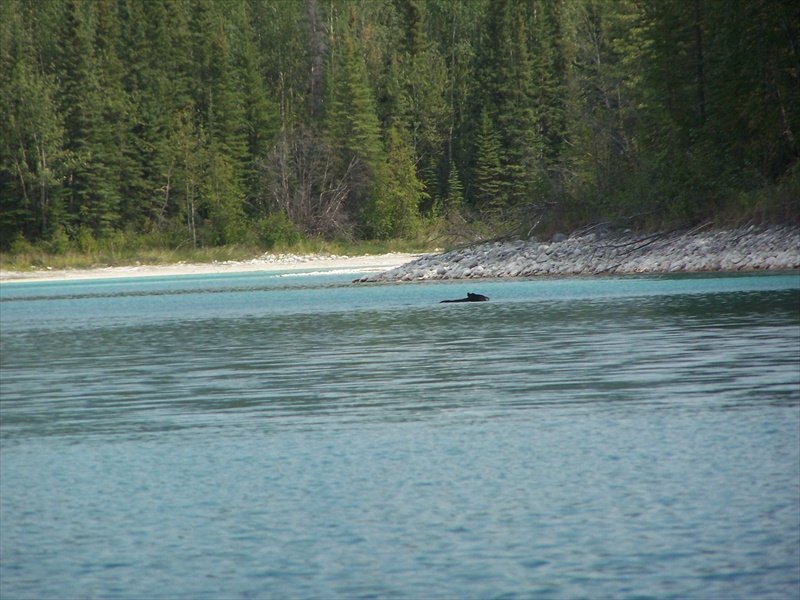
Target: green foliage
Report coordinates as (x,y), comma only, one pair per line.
(58,242)
(205,123)
(353,119)
(404,191)
(488,171)
(455,192)
(85,241)
(31,134)
(277,231)
(780,200)
(19,245)
(221,202)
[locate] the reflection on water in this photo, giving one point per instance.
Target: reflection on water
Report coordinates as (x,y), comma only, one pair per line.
(305,437)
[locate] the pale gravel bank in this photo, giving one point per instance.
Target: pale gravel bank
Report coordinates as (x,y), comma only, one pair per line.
(267,263)
(599,250)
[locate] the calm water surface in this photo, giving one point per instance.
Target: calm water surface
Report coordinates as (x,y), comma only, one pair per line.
(262,436)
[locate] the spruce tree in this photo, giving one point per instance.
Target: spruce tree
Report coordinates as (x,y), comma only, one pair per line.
(220,111)
(31,135)
(405,192)
(260,112)
(422,87)
(155,84)
(92,103)
(352,126)
(487,175)
(455,191)
(518,121)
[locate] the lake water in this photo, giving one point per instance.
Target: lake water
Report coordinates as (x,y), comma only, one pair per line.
(264,436)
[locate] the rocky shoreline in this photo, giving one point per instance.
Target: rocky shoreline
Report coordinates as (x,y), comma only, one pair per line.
(600,250)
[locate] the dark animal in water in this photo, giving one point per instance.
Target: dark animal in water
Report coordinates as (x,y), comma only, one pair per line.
(470,298)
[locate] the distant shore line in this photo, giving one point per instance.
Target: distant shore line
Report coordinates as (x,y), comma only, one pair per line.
(268,263)
(595,250)
(601,250)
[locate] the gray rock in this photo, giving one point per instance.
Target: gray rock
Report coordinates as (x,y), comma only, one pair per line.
(740,249)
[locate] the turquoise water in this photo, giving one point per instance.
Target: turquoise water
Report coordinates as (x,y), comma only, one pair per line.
(262,436)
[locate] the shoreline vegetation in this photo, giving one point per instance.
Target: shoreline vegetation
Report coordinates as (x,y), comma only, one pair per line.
(595,250)
(30,260)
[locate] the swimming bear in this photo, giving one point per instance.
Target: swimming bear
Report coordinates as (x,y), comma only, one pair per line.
(470,298)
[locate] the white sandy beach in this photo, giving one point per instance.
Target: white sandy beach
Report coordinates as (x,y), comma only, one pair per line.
(268,263)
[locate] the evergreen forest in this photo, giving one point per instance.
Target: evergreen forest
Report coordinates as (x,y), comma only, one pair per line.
(205,123)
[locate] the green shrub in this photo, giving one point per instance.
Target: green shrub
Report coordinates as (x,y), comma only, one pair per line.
(20,245)
(58,242)
(85,241)
(276,230)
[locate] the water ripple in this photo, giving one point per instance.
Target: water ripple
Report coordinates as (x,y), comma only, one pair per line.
(604,438)
(719,351)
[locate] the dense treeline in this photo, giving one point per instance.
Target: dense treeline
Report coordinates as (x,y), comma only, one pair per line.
(206,122)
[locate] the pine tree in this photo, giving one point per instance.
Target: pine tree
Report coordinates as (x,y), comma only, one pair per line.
(602,53)
(422,105)
(189,172)
(519,122)
(113,129)
(155,85)
(455,191)
(91,101)
(548,66)
(352,126)
(487,172)
(405,192)
(750,81)
(172,94)
(456,26)
(260,112)
(31,135)
(220,111)
(507,96)
(221,202)
(216,91)
(281,33)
